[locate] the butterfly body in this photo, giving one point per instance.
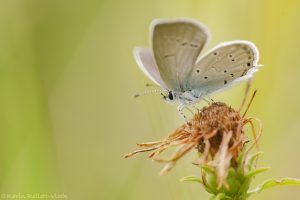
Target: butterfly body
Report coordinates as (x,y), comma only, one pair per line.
(174,63)
(185,98)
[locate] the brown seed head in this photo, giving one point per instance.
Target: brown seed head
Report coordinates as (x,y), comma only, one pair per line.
(216,131)
(213,122)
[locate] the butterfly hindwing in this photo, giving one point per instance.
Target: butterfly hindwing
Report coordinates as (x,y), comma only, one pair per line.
(144,58)
(224,65)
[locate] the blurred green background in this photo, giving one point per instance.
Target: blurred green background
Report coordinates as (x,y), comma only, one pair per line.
(67,76)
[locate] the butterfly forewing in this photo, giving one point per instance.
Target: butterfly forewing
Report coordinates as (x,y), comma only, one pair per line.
(176,45)
(224,65)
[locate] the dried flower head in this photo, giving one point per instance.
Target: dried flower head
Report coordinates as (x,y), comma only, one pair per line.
(216,132)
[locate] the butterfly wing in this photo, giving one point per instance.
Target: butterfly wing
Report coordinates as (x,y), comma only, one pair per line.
(143,57)
(176,46)
(223,66)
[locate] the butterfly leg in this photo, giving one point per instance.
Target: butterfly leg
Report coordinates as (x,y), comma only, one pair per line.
(211,99)
(207,101)
(180,108)
(196,108)
(189,109)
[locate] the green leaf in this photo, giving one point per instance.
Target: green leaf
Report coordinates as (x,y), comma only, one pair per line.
(192,179)
(272,183)
(257,171)
(220,196)
(208,169)
(210,179)
(240,158)
(252,158)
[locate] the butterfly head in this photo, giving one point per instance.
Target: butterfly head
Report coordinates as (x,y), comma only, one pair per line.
(169,96)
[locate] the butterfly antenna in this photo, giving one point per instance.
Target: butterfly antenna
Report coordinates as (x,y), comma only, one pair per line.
(151,85)
(147,92)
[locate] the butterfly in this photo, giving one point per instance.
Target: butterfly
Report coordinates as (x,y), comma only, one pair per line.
(173,61)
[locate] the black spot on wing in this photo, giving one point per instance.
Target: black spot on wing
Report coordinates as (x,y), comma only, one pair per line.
(194,45)
(184,43)
(167,56)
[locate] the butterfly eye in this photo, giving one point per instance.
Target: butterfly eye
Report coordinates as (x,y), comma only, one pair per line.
(171,97)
